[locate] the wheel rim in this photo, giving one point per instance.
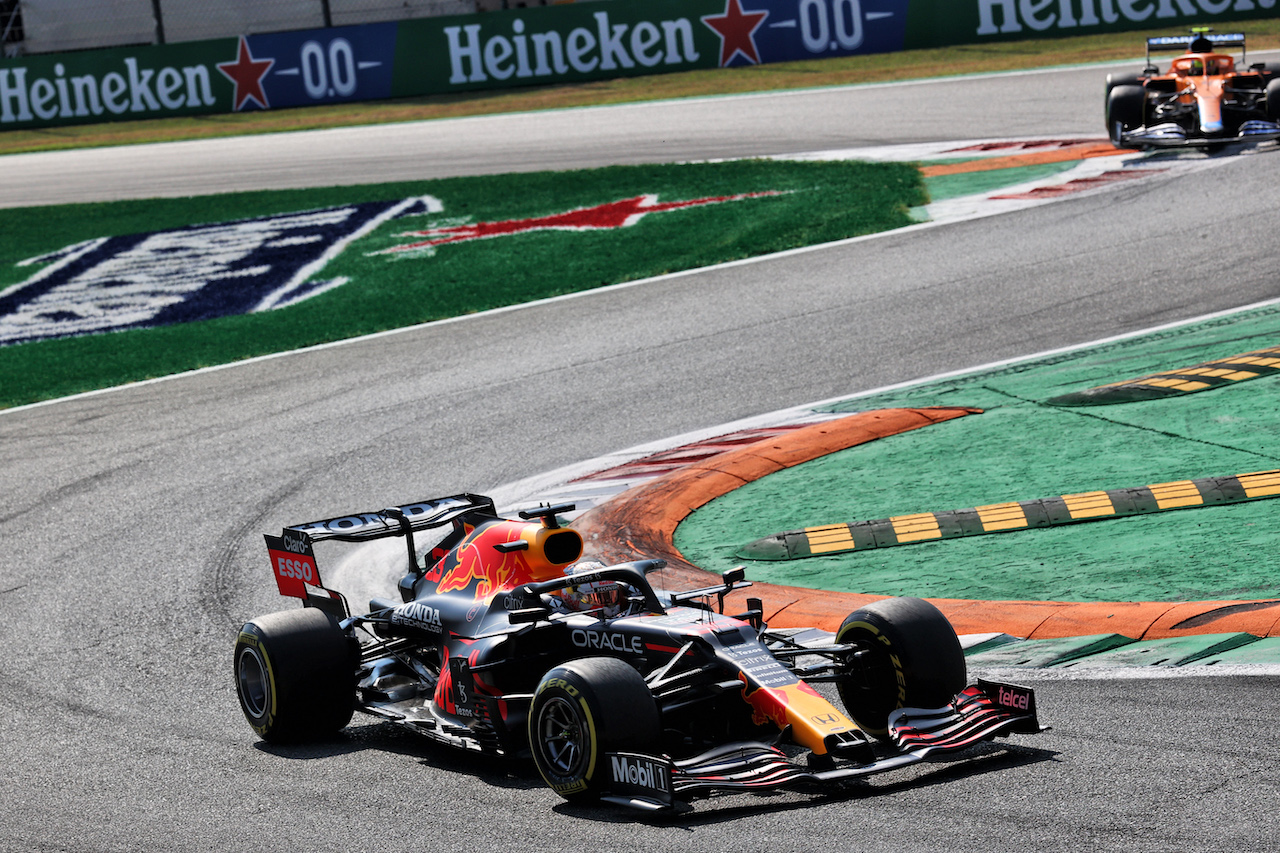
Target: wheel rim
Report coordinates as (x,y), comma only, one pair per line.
(871,695)
(561,737)
(255,684)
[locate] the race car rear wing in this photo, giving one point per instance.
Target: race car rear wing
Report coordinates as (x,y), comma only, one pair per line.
(1183,43)
(294,563)
(365,526)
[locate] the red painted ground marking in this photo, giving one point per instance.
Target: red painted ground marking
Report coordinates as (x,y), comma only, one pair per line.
(666,461)
(1026,145)
(1081,184)
(610,215)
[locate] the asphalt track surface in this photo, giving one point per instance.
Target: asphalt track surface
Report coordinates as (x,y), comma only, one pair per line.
(743,126)
(132,520)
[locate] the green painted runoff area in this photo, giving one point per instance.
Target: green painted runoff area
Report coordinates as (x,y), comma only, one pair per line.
(1019,449)
(945,187)
(1107,651)
(809,203)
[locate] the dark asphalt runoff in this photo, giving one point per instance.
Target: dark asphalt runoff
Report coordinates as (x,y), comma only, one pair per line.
(131,521)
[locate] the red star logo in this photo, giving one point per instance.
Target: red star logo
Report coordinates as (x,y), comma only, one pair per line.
(247,73)
(613,214)
(736,29)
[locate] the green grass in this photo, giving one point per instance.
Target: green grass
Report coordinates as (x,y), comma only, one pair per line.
(913,64)
(819,202)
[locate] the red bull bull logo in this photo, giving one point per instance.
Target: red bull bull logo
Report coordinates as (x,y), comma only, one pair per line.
(811,717)
(501,556)
(477,566)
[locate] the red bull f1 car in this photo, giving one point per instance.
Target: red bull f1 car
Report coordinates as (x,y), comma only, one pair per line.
(619,692)
(1203,99)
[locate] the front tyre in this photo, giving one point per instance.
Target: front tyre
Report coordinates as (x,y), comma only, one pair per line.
(296,675)
(1114,80)
(1273,99)
(1126,110)
(912,659)
(582,710)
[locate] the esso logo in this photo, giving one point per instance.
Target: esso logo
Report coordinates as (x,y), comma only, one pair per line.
(303,570)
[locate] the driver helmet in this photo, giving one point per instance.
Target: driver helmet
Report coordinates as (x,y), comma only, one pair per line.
(605,596)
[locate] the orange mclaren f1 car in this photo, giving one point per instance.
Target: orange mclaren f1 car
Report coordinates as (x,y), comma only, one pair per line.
(499,640)
(1204,99)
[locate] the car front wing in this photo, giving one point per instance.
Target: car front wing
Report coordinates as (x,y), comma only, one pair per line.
(981,712)
(1172,135)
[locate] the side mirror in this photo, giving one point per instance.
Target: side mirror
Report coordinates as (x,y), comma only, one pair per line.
(547,513)
(732,578)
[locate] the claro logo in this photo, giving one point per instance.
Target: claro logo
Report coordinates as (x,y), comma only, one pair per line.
(296,542)
(599,640)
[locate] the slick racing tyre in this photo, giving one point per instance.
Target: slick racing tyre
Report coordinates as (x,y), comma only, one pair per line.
(1126,109)
(1273,99)
(912,659)
(582,710)
(295,675)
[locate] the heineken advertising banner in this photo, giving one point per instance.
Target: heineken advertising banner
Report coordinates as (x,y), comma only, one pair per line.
(290,69)
(936,23)
(552,44)
(595,41)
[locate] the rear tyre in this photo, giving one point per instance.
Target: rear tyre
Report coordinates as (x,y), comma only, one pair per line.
(582,710)
(1126,110)
(296,675)
(913,660)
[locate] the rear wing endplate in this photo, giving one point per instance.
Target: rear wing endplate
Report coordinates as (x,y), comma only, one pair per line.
(297,576)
